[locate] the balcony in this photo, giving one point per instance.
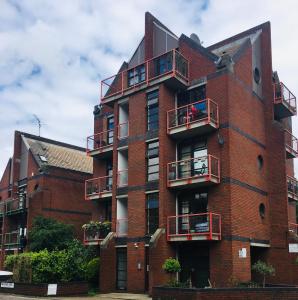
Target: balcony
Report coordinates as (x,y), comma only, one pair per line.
(284,102)
(15,206)
(292,188)
(194,119)
(171,68)
(12,240)
(121,227)
(194,227)
(98,188)
(122,178)
(100,143)
(94,236)
(291,145)
(199,171)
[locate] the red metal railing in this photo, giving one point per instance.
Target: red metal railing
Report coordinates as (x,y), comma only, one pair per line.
(100,141)
(201,111)
(121,227)
(203,224)
(14,205)
(293,228)
(170,63)
(291,142)
(123,130)
(283,95)
(204,166)
(122,178)
(98,186)
(94,236)
(292,186)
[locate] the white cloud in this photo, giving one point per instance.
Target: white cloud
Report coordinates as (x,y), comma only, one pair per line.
(53,53)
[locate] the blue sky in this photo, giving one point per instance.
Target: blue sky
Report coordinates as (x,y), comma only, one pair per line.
(54,53)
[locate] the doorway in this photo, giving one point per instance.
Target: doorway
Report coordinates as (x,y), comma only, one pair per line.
(121,272)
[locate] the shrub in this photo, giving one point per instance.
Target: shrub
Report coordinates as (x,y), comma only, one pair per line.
(92,271)
(171,265)
(47,233)
(9,262)
(263,269)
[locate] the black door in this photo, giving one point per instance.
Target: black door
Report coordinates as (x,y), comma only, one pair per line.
(146,269)
(121,280)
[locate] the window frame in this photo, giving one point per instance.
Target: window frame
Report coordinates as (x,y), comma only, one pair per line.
(151,156)
(152,213)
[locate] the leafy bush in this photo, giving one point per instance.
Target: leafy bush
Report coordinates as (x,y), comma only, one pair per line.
(171,265)
(92,272)
(48,267)
(47,233)
(263,269)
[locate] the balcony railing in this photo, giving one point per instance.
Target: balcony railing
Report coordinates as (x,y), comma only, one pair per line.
(292,188)
(203,170)
(196,118)
(123,130)
(121,227)
(100,187)
(203,226)
(165,66)
(12,239)
(14,206)
(291,145)
(100,142)
(2,208)
(122,178)
(284,100)
(94,237)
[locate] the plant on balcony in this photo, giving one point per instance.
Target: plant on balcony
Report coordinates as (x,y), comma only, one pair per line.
(263,269)
(172,267)
(96,229)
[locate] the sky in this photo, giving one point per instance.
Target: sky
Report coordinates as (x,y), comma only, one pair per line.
(54,53)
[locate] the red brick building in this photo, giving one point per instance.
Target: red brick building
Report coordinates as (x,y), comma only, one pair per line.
(193,158)
(43,177)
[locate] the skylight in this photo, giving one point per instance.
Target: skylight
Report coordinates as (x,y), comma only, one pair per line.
(43,158)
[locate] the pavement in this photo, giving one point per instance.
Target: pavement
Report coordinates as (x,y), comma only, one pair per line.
(110,296)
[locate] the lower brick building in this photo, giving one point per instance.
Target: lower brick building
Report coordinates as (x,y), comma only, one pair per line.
(43,178)
(193,158)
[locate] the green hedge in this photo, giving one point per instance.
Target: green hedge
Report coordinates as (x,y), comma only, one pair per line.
(48,267)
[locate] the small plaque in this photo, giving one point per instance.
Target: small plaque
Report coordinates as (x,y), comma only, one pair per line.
(293,248)
(242,253)
(52,289)
(8,285)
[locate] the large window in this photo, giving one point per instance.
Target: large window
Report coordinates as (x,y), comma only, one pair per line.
(152,161)
(152,213)
(191,96)
(110,127)
(163,64)
(136,75)
(152,110)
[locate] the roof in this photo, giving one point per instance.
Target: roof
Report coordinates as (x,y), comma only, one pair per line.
(57,154)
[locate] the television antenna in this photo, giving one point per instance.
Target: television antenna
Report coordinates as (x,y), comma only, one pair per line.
(38,121)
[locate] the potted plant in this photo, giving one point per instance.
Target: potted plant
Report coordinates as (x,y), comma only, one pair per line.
(172,267)
(92,229)
(263,269)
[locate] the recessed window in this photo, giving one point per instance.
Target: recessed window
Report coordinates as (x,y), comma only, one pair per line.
(152,110)
(260,162)
(257,75)
(136,75)
(152,161)
(262,210)
(152,219)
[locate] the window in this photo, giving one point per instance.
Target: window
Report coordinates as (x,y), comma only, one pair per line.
(136,75)
(152,110)
(191,96)
(262,210)
(152,161)
(163,64)
(110,127)
(152,218)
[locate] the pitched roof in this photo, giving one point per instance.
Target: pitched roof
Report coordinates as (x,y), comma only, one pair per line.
(57,154)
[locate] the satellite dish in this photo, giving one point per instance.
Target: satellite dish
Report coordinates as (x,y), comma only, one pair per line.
(195,38)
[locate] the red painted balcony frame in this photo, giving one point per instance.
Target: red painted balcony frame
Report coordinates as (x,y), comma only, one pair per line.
(14,206)
(292,184)
(117,85)
(122,178)
(99,143)
(195,118)
(95,239)
(202,226)
(121,227)
(100,187)
(123,130)
(285,101)
(202,171)
(291,143)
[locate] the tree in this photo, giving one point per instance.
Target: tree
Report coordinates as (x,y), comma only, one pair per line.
(172,266)
(263,269)
(47,233)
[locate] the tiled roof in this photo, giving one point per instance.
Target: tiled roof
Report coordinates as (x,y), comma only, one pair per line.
(59,155)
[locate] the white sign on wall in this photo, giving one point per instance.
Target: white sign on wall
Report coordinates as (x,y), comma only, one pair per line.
(52,289)
(293,248)
(242,253)
(9,285)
